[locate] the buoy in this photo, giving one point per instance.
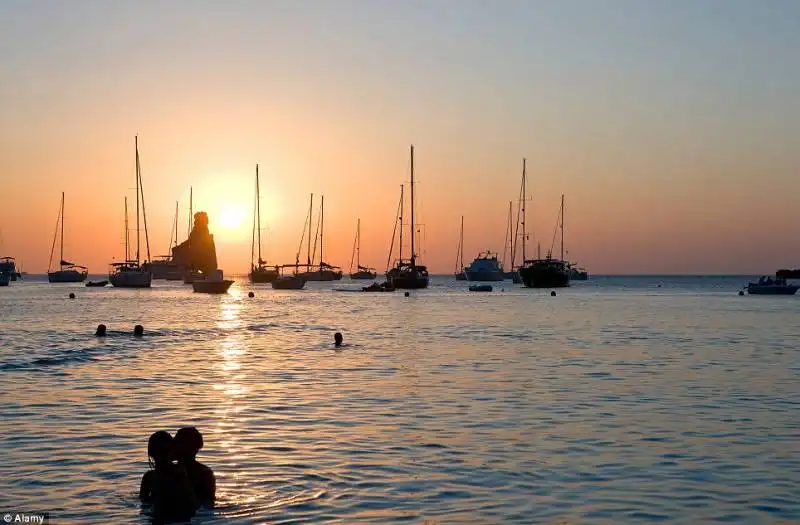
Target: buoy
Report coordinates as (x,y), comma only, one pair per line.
(72,296)
(407,294)
(741,292)
(251,294)
(553,293)
(138,330)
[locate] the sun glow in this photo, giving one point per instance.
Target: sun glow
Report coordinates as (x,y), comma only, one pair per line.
(231,217)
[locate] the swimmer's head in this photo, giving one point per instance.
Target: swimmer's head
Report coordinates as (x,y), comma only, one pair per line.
(188,441)
(101,330)
(138,330)
(160,447)
(337,339)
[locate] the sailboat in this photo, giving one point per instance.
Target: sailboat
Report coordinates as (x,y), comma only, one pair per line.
(68,272)
(130,273)
(362,272)
(460,274)
(163,267)
(259,272)
(509,246)
(325,271)
(548,272)
(407,274)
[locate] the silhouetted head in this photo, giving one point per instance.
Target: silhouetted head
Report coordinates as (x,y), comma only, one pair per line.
(138,330)
(101,330)
(188,441)
(407,294)
(72,295)
(160,448)
(251,294)
(553,293)
(337,339)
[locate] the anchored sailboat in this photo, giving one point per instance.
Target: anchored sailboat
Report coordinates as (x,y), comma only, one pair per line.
(131,274)
(164,267)
(325,271)
(548,272)
(259,271)
(362,272)
(408,274)
(68,272)
(460,274)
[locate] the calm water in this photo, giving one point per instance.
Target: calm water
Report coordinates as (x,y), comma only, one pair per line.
(618,401)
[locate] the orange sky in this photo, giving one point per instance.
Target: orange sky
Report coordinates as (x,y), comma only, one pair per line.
(667,166)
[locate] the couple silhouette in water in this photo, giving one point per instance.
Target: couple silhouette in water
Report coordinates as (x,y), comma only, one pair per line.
(176,484)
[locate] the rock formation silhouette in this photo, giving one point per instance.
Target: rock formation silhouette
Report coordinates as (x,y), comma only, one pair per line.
(198,251)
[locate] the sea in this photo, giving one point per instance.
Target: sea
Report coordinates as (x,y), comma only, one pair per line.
(618,400)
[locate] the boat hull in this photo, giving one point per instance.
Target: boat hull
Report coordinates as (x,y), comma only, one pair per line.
(480,288)
(131,279)
(485,275)
(322,275)
(4,279)
(362,275)
(407,278)
(461,276)
(217,287)
(66,276)
(289,282)
(165,271)
(755,289)
(98,284)
(543,277)
(263,276)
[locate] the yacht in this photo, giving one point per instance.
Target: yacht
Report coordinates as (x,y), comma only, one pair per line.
(576,273)
(68,272)
(362,272)
(548,272)
(259,271)
(163,267)
(321,271)
(485,267)
(407,274)
(770,286)
(459,273)
(131,273)
(8,267)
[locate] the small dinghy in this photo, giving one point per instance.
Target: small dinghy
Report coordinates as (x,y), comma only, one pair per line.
(96,283)
(480,288)
(375,287)
(213,283)
(289,282)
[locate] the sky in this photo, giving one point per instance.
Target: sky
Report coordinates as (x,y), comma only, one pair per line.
(671,126)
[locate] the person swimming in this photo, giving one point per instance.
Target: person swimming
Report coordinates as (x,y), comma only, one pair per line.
(166,485)
(101,330)
(138,330)
(337,339)
(188,441)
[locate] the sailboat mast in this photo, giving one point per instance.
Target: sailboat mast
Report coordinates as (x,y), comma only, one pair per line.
(258,215)
(562,227)
(144,210)
(137,198)
(402,210)
(61,261)
(321,227)
(460,262)
(509,235)
(176,223)
(358,245)
(524,176)
(413,232)
(127,237)
(191,218)
(308,244)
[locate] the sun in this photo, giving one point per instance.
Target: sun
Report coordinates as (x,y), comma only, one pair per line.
(231,217)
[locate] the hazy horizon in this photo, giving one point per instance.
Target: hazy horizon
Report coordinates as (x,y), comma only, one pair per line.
(670,126)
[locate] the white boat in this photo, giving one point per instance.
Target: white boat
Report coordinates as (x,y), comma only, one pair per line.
(68,272)
(770,286)
(8,267)
(485,267)
(130,273)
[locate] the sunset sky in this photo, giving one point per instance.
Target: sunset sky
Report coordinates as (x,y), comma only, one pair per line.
(673,126)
